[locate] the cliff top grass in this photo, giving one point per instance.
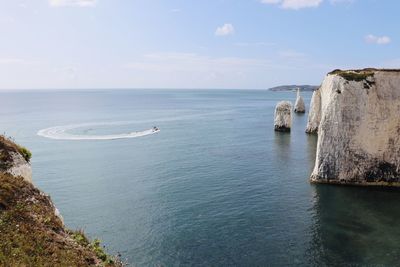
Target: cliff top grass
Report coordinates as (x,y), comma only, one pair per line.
(7,147)
(360,74)
(354,75)
(32,235)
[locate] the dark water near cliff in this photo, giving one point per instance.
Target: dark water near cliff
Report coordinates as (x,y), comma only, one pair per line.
(216,187)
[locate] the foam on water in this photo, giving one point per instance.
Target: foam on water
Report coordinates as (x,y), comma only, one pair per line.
(60,132)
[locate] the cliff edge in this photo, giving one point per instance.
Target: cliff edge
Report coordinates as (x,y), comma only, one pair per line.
(32,232)
(15,159)
(357,117)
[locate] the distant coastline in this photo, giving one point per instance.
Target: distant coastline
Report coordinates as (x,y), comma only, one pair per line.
(303,88)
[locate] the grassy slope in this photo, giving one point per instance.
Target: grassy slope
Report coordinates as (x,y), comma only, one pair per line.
(31,234)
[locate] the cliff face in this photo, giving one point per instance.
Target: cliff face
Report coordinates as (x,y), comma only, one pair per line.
(32,232)
(359,128)
(314,115)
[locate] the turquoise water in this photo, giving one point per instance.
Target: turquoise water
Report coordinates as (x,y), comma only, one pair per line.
(215,187)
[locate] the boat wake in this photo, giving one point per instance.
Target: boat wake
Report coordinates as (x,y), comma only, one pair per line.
(61,132)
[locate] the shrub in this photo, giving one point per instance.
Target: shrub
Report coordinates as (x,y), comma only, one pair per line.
(7,146)
(354,75)
(26,153)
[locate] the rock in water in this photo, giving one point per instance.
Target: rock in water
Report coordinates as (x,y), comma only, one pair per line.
(283,116)
(314,115)
(299,106)
(359,129)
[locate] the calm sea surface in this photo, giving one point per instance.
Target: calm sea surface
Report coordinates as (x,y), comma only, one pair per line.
(215,187)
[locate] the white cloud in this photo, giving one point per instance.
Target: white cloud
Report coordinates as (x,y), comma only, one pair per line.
(246,44)
(373,39)
(224,30)
(23,5)
(334,2)
(271,1)
(77,3)
(17,61)
(293,4)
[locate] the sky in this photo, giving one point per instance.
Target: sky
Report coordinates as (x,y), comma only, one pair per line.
(237,44)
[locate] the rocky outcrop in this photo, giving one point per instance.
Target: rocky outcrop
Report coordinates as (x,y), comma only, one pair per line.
(299,106)
(359,128)
(14,159)
(314,115)
(32,232)
(20,167)
(283,116)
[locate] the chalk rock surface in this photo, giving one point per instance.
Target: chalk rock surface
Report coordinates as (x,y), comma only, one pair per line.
(314,115)
(359,128)
(299,105)
(14,159)
(20,167)
(283,116)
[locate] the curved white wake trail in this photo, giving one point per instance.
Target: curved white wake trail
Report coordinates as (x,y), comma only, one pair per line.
(60,133)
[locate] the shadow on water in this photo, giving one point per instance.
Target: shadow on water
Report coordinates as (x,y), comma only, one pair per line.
(282,139)
(282,145)
(301,114)
(312,140)
(353,225)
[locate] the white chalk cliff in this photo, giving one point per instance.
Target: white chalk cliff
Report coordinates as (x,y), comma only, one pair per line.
(314,115)
(299,105)
(283,116)
(357,114)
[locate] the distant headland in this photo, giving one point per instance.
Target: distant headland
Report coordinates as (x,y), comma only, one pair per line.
(303,88)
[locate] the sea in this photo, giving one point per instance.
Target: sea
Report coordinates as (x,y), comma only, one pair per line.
(215,186)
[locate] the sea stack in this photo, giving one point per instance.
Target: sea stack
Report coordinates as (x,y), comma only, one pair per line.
(283,116)
(299,106)
(314,115)
(359,128)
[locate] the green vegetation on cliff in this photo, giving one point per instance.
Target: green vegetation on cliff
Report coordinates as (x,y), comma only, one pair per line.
(31,233)
(354,75)
(7,147)
(360,74)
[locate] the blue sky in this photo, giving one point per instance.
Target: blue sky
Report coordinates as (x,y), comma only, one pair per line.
(249,44)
